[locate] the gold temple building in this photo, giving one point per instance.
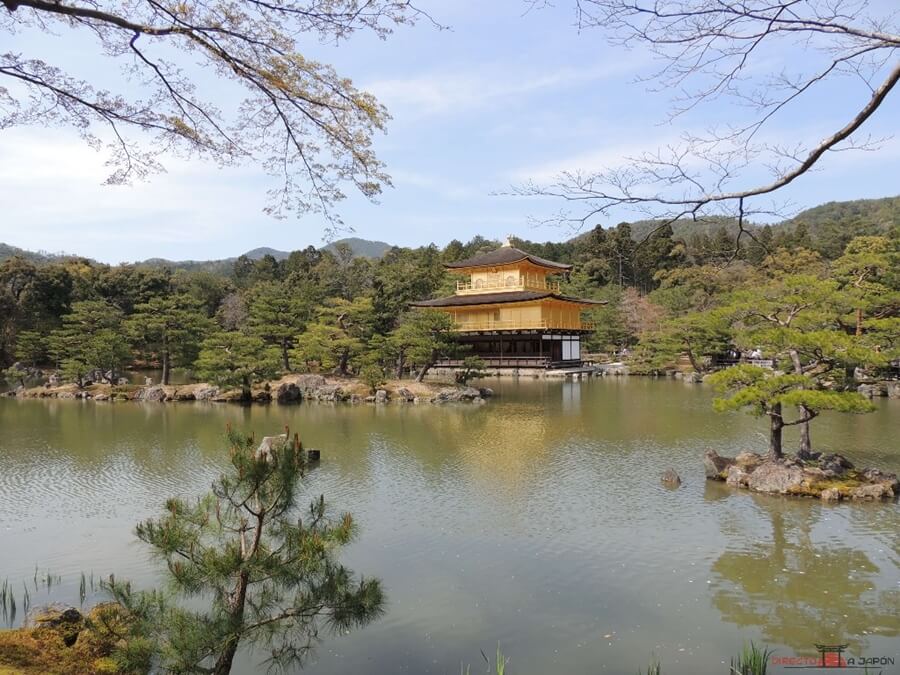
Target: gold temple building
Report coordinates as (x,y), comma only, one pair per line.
(509,309)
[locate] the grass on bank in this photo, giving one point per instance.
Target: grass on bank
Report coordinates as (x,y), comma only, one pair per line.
(82,648)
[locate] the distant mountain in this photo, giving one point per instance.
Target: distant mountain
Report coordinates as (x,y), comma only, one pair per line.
(882,214)
(362,248)
(830,227)
(7,251)
(263,251)
(831,222)
(685,228)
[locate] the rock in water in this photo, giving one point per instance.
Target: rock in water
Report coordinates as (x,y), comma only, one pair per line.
(154,393)
(835,464)
(405,394)
(268,444)
(873,491)
(454,395)
(775,477)
(671,478)
(715,465)
(288,392)
(830,495)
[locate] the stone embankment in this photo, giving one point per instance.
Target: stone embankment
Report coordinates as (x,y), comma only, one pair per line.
(289,389)
(888,388)
(827,477)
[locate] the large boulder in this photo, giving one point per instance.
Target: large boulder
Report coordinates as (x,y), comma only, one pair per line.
(469,394)
(893,389)
(309,382)
(834,464)
(715,465)
(205,392)
(288,392)
(63,620)
(736,476)
(873,491)
(456,395)
(830,495)
(405,394)
(748,461)
(182,394)
(877,476)
(381,396)
(776,477)
(154,393)
(872,390)
(330,392)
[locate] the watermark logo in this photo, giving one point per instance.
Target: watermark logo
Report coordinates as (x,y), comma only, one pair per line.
(834,656)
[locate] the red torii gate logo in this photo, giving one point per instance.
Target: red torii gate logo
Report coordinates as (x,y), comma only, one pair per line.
(832,656)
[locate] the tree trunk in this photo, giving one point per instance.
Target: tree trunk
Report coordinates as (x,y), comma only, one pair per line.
(424,371)
(285,359)
(692,358)
(805,441)
(776,424)
(246,391)
(859,317)
(805,450)
(165,365)
(400,367)
(236,619)
(342,364)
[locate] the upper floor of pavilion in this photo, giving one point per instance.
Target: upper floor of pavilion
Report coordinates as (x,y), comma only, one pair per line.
(507,269)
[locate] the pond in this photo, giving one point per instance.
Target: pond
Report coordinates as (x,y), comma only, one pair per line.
(536,521)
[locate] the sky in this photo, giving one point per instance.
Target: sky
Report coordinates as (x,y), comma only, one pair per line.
(504,95)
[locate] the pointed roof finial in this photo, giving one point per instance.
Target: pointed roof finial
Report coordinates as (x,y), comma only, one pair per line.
(508,242)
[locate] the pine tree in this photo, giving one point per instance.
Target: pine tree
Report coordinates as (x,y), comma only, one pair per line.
(765,392)
(91,340)
(797,319)
(339,335)
(421,338)
(267,569)
(237,360)
(277,316)
(172,327)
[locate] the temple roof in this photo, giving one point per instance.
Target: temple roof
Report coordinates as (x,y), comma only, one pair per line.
(506,255)
(502,297)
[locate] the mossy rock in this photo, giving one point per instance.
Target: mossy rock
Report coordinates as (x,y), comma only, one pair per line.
(56,643)
(843,484)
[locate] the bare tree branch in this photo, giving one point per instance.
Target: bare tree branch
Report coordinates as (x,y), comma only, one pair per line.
(711,49)
(307,126)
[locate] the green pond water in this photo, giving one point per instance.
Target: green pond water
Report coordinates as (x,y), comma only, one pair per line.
(537,521)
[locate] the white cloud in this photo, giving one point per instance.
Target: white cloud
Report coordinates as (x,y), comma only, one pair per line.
(606,157)
(53,198)
(453,92)
(442,186)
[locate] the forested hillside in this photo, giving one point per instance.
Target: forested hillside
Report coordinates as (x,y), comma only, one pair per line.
(249,318)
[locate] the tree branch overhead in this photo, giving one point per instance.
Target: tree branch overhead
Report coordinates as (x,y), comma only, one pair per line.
(306,125)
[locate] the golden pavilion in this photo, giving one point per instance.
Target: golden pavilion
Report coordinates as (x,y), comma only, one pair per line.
(509,309)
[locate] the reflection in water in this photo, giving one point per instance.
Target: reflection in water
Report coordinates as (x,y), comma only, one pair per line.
(800,587)
(537,520)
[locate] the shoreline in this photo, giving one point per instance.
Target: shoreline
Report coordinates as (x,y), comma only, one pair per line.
(288,390)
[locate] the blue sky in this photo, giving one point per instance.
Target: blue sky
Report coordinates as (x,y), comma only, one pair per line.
(503,95)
